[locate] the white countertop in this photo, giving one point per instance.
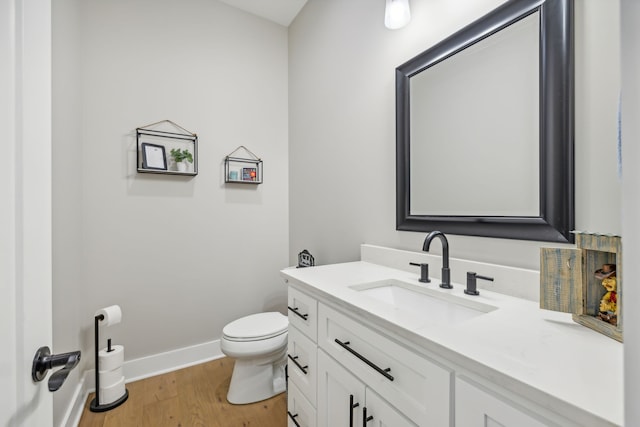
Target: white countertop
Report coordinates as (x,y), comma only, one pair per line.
(536,353)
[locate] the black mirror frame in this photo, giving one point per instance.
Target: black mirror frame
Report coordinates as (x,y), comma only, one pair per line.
(556,220)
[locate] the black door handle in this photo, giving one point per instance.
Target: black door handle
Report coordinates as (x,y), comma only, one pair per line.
(293,418)
(294,359)
(44,360)
(352,406)
(365,418)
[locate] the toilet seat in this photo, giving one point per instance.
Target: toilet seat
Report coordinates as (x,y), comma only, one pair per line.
(256,327)
(261,348)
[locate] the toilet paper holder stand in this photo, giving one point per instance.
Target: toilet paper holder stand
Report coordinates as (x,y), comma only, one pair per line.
(95,405)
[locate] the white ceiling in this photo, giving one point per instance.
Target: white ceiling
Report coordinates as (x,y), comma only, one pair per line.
(279,11)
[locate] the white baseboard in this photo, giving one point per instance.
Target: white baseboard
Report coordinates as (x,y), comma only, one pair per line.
(76,405)
(138,369)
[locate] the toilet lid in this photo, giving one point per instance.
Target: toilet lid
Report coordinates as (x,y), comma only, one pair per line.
(261,325)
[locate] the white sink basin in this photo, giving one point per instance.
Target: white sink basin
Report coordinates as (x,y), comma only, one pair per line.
(438,307)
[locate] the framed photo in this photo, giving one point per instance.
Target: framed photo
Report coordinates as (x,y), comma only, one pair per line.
(249,174)
(153,156)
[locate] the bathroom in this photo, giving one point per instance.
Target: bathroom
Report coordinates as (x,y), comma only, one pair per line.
(183,257)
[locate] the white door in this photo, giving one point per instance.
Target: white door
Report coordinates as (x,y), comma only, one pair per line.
(382,414)
(25,208)
(338,390)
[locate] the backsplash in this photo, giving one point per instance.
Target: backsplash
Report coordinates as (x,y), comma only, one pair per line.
(516,282)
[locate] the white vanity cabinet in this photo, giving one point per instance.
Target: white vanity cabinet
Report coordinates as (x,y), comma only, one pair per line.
(344,370)
(514,366)
(335,359)
(302,359)
(347,401)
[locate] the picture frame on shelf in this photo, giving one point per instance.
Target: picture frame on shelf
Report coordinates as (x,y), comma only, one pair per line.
(153,156)
(249,174)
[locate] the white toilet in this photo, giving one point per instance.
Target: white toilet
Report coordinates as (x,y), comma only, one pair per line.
(259,344)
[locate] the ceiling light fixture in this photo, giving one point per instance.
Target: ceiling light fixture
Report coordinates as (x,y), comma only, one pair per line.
(396,14)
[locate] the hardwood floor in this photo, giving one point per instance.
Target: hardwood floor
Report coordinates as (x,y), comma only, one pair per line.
(190,397)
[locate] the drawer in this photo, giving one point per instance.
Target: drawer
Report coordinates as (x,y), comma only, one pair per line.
(300,413)
(419,388)
(303,313)
(302,363)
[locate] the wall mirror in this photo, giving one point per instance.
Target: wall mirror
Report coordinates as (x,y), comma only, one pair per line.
(484,128)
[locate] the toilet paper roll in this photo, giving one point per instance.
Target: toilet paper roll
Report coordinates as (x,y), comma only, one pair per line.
(110,378)
(112,393)
(112,315)
(110,360)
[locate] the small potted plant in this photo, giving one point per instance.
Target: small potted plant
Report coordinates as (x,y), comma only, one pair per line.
(181,157)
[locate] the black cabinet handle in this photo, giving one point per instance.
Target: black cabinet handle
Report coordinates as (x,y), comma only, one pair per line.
(383,372)
(352,406)
(293,418)
(295,311)
(365,419)
(294,360)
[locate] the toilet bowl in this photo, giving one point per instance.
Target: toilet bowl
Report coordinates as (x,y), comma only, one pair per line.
(258,343)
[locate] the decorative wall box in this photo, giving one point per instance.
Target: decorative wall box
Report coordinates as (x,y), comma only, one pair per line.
(171,152)
(241,169)
(573,281)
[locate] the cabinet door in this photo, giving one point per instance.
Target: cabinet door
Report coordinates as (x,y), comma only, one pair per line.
(337,388)
(382,413)
(303,312)
(302,363)
(476,407)
(561,280)
(300,413)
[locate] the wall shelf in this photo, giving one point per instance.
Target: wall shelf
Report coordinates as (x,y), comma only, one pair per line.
(153,153)
(242,170)
(568,282)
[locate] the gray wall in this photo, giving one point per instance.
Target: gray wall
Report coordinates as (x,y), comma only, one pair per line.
(181,256)
(631,205)
(342,125)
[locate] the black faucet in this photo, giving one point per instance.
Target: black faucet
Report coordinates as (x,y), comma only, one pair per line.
(446,281)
